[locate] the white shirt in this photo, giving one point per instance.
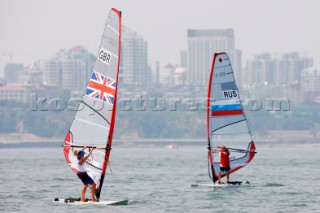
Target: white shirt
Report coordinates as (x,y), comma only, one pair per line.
(81,168)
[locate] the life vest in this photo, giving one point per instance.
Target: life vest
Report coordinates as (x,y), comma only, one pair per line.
(224,159)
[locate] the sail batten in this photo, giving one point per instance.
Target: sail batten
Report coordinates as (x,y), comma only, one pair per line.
(93,124)
(226,119)
(114,30)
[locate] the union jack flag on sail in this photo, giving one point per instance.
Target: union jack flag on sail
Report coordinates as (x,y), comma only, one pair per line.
(101,87)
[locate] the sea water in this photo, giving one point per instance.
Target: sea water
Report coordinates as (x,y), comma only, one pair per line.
(158,179)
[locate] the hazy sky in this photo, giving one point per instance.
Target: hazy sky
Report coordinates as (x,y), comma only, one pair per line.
(34,29)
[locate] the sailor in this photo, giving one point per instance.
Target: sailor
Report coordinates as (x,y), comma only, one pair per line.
(224,163)
(83,175)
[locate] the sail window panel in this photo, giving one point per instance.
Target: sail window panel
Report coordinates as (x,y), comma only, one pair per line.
(239,141)
(95,161)
(229,86)
(238,128)
(224,121)
(234,163)
(240,161)
(85,133)
(237,159)
(95,174)
(93,167)
(94,164)
(110,42)
(228,124)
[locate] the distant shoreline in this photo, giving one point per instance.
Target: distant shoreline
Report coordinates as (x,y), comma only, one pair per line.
(156,143)
(31,140)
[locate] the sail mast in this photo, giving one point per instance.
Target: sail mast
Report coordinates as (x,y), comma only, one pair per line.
(211,163)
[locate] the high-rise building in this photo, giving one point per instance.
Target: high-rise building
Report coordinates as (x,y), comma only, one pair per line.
(52,72)
(259,70)
(73,75)
(310,80)
(134,59)
(13,72)
(288,68)
(156,73)
(2,82)
(81,54)
(183,58)
(280,70)
(202,44)
(237,65)
(62,70)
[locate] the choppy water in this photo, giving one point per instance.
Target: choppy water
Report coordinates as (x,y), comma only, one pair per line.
(158,180)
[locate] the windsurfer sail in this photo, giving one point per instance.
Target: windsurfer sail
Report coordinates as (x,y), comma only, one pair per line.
(94,121)
(226,120)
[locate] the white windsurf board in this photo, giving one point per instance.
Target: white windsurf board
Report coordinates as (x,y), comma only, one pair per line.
(101,202)
(232,184)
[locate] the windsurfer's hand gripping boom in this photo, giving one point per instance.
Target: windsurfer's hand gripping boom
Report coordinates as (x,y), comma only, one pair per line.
(84,159)
(233,149)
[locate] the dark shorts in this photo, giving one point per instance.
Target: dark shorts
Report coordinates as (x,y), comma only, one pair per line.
(85,178)
(224,169)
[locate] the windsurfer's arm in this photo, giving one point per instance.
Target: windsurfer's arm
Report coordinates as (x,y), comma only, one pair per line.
(77,151)
(83,148)
(86,157)
(90,152)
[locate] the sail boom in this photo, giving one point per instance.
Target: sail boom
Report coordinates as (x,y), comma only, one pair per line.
(89,147)
(234,149)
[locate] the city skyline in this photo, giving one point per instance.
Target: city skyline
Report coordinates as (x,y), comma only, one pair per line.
(66,70)
(286,68)
(37,29)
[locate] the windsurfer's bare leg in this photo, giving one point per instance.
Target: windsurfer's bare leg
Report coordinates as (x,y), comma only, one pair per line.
(93,191)
(219,177)
(227,175)
(83,193)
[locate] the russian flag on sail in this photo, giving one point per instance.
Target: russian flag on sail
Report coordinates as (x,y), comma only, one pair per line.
(226,110)
(101,87)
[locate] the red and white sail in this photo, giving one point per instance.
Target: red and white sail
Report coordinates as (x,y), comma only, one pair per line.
(226,121)
(94,121)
